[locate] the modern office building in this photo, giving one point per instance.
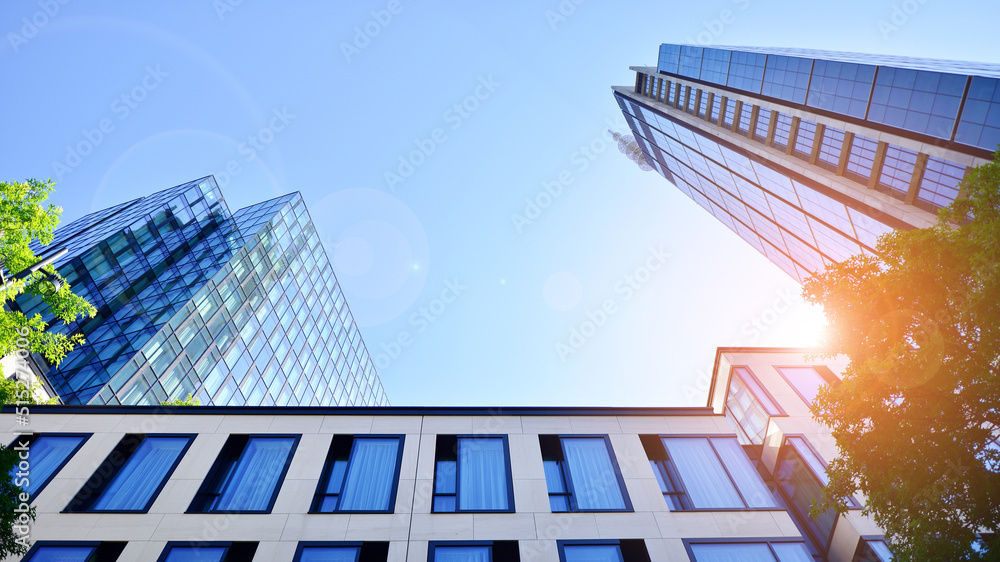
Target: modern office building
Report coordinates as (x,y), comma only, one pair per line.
(446,484)
(233,308)
(809,156)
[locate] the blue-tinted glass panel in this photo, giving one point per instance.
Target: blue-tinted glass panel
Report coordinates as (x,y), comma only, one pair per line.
(716,107)
(704,478)
(482,484)
(940,182)
(45,454)
(461,553)
(730,113)
(980,122)
(746,71)
(730,552)
(134,486)
(592,553)
(668,59)
(690,61)
(786,78)
(371,476)
(746,112)
(915,100)
(804,139)
(897,170)
(782,130)
(805,380)
(329,554)
(798,478)
(251,483)
(715,66)
(63,554)
(196,554)
(841,87)
(763,123)
(861,158)
(592,474)
(829,151)
(703,106)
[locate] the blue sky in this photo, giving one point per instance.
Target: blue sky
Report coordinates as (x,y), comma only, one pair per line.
(421,134)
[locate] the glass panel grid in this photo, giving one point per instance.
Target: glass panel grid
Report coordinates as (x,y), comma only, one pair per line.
(746,71)
(861,158)
(940,182)
(786,78)
(897,171)
(763,123)
(841,87)
(980,122)
(782,130)
(804,139)
(919,101)
(829,151)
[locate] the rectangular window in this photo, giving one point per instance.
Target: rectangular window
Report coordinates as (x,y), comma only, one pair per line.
(582,474)
(706,473)
(763,123)
(897,171)
(782,130)
(45,456)
(625,550)
(247,475)
(133,474)
(804,139)
(89,551)
(208,552)
(872,551)
(730,113)
(360,475)
(745,113)
(841,87)
(980,122)
(917,100)
(472,551)
(801,476)
(806,381)
(772,551)
(312,551)
(750,406)
(692,98)
(939,184)
(829,151)
(716,107)
(703,109)
(472,473)
(861,159)
(786,78)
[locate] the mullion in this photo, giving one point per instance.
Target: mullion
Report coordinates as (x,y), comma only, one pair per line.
(567,477)
(347,471)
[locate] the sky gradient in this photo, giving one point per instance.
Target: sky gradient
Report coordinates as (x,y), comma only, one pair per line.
(455,159)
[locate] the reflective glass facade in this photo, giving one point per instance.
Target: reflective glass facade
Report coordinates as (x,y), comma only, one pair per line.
(810,156)
(234,308)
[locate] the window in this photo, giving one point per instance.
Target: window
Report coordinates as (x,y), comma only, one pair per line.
(46,454)
(706,473)
(897,171)
(804,139)
(841,87)
(872,551)
(627,550)
(806,381)
(208,552)
(829,150)
(582,475)
(980,122)
(473,551)
(750,406)
(131,476)
(917,100)
(360,475)
(769,551)
(341,552)
(247,474)
(782,130)
(730,114)
(74,552)
(939,184)
(472,473)
(861,159)
(763,123)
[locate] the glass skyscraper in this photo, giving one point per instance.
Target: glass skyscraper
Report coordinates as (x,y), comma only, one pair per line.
(234,308)
(809,156)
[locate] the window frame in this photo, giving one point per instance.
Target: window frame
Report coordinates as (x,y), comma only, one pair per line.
(432,545)
(200,502)
(195,544)
(682,493)
(328,468)
(829,377)
(84,503)
(744,540)
(568,477)
(602,542)
(32,437)
(507,463)
(97,545)
(302,545)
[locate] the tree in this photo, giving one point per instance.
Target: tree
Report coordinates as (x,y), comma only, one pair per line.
(189,401)
(917,415)
(23,218)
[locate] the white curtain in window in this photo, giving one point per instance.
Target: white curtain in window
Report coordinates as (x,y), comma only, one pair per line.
(461,554)
(369,479)
(329,554)
(705,481)
(256,475)
(138,480)
(595,485)
(732,552)
(482,469)
(592,553)
(791,552)
(748,480)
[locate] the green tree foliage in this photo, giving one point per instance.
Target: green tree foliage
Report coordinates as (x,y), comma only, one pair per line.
(24,217)
(917,416)
(189,401)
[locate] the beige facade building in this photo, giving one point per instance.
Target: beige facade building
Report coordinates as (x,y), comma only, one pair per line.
(445,484)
